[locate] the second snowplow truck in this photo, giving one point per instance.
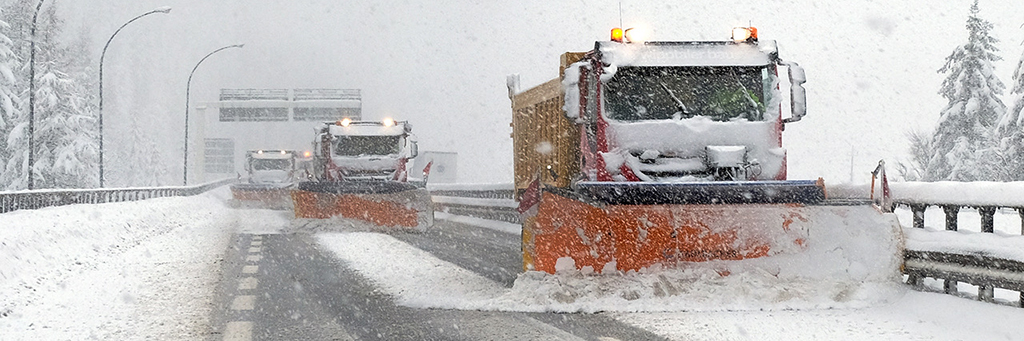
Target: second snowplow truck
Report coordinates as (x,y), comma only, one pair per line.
(649,154)
(359,172)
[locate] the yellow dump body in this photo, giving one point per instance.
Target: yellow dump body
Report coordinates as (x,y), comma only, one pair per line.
(545,142)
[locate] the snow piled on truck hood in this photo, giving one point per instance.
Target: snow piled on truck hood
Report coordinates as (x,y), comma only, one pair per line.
(689,137)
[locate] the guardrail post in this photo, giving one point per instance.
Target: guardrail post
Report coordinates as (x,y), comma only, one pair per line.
(1020,211)
(949,286)
(914,280)
(986,293)
(987,218)
(918,210)
(951,213)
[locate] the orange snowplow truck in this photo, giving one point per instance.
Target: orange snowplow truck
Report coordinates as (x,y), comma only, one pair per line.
(271,176)
(360,172)
(659,153)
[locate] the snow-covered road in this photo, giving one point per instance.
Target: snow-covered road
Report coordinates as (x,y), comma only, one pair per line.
(148,270)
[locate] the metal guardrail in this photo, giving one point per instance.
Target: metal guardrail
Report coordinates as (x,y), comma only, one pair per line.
(985,272)
(484,204)
(987,213)
(486,194)
(28,200)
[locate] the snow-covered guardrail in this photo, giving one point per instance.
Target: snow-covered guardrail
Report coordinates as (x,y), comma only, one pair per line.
(485,201)
(987,258)
(27,200)
(986,197)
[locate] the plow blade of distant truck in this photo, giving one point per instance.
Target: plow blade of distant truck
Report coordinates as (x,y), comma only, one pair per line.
(264,194)
(566,232)
(388,204)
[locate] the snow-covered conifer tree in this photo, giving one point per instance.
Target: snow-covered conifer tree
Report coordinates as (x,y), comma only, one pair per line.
(18,17)
(10,102)
(1011,126)
(64,136)
(973,91)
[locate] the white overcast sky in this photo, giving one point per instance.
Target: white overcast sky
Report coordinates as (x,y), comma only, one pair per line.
(871,65)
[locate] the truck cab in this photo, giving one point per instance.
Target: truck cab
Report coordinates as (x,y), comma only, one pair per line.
(271,167)
(681,111)
(365,150)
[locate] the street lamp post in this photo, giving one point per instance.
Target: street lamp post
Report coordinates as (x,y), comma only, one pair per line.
(32,97)
(165,10)
(188,88)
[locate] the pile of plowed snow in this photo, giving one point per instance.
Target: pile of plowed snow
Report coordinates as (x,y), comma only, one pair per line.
(851,259)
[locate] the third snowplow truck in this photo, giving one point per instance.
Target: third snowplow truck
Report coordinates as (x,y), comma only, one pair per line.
(271,177)
(649,154)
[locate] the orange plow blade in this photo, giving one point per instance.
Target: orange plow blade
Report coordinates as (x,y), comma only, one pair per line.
(261,195)
(566,234)
(407,209)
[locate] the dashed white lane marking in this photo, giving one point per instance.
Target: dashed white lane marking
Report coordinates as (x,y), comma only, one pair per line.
(253,258)
(238,331)
(250,269)
(254,249)
(248,283)
(256,243)
(257,236)
(243,302)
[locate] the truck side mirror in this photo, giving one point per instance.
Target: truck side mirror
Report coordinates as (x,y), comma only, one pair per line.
(413,149)
(797,95)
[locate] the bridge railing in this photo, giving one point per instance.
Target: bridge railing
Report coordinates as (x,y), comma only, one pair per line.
(34,199)
(987,260)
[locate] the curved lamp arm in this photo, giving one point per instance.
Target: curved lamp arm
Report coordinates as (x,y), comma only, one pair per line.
(188,88)
(164,10)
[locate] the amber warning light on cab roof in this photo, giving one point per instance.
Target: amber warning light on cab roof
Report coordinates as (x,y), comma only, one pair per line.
(629,35)
(617,34)
(744,34)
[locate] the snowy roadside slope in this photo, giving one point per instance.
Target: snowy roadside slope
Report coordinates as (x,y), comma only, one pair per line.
(132,270)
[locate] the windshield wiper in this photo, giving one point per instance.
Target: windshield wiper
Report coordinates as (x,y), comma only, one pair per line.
(676,99)
(746,93)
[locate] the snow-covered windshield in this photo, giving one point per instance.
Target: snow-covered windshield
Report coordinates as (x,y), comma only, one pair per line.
(659,93)
(271,164)
(366,145)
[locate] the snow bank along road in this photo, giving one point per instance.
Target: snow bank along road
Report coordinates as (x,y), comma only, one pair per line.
(194,268)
